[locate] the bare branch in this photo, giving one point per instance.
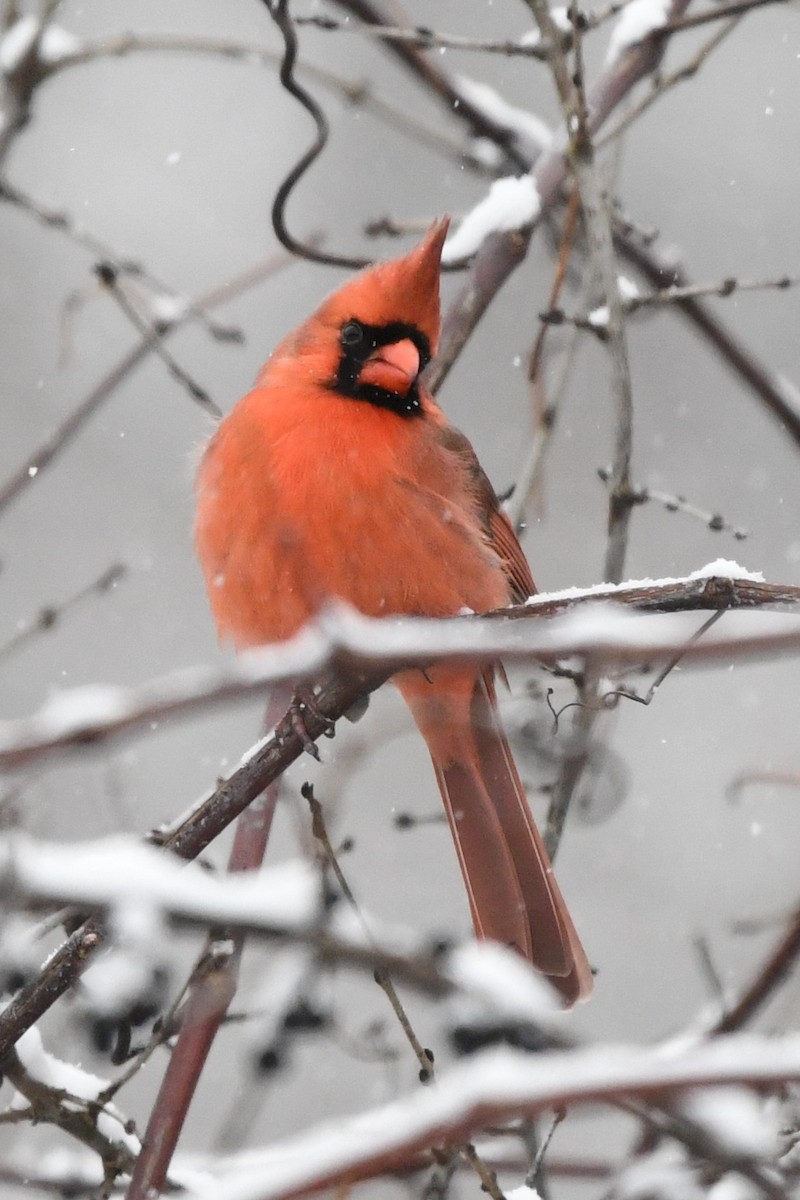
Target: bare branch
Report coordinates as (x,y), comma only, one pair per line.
(433,39)
(768,977)
(107,275)
(777,395)
(714,521)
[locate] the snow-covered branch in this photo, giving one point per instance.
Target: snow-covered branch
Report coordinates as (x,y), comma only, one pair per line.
(367,651)
(492,1089)
(281,902)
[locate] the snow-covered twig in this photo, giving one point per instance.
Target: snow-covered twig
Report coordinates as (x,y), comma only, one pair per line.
(65,1095)
(23,55)
(281,904)
(105,874)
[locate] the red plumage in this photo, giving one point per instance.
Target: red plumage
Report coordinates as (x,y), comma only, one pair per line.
(338,476)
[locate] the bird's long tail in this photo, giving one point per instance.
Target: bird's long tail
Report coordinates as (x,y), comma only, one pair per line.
(513,894)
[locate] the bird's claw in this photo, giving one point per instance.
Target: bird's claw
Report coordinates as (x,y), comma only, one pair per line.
(301,704)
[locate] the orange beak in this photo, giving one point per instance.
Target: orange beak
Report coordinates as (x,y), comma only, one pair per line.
(393,368)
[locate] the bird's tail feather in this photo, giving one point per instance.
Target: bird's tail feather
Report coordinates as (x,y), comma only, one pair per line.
(513,894)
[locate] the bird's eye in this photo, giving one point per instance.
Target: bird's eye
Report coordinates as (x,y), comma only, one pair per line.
(352,334)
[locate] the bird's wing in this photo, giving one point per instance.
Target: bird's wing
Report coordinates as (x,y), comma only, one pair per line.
(496,524)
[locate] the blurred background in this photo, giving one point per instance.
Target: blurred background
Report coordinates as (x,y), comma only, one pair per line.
(172,159)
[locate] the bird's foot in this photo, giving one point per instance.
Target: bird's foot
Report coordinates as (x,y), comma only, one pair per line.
(302,703)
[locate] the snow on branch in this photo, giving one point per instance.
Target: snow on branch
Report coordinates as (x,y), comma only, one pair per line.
(282,902)
(116,871)
(20,40)
(636,22)
(493,1088)
(512,203)
(62,1093)
(349,643)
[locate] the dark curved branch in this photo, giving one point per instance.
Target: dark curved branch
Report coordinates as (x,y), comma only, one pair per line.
(279,11)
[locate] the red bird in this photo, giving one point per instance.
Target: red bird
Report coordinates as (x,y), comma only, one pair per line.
(338,476)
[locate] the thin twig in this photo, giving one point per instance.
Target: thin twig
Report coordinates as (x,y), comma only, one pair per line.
(65,223)
(714,521)
(529,474)
(52,614)
(777,396)
(382,978)
(667,669)
(724,288)
(384,981)
(575,756)
(488,1179)
(596,320)
(739,7)
(768,977)
(433,39)
(48,450)
(107,275)
(535,1177)
(596,207)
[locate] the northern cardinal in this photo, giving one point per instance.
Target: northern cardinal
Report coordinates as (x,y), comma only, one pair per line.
(338,476)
